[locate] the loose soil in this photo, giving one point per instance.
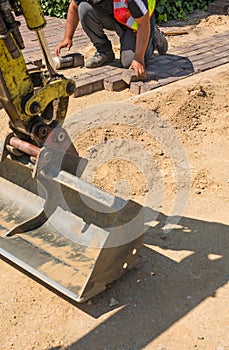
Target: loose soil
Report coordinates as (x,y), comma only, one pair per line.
(168,150)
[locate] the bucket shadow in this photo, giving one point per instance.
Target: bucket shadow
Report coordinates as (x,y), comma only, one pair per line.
(177,272)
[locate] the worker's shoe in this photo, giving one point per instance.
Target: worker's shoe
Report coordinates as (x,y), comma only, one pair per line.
(160,42)
(99,59)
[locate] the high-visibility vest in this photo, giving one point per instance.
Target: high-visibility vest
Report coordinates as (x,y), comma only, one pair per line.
(122,13)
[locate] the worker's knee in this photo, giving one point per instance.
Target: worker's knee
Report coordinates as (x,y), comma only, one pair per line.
(84,11)
(126,58)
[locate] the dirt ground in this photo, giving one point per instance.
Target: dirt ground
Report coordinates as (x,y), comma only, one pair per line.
(168,150)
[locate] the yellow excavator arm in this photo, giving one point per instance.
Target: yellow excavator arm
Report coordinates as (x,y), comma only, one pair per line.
(30,107)
(63,232)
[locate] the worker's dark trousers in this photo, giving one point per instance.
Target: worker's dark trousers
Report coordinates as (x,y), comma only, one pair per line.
(94,21)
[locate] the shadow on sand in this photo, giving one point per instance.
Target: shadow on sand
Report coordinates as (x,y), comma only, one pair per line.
(162,289)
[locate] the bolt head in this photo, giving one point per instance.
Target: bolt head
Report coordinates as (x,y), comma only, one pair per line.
(70,88)
(35,107)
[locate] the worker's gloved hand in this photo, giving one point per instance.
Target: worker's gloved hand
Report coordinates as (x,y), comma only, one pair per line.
(64,43)
(138,68)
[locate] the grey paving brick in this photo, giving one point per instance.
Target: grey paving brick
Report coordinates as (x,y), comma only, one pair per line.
(114,83)
(128,75)
(135,87)
(219,7)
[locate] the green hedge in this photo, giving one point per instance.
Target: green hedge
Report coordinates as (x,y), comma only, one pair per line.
(57,8)
(170,9)
(165,9)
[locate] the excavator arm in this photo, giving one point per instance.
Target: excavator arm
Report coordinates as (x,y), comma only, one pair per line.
(29,102)
(65,233)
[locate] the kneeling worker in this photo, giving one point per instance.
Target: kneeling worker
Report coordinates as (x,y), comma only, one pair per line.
(132,20)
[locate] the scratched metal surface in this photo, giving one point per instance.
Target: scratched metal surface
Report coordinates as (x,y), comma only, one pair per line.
(67,253)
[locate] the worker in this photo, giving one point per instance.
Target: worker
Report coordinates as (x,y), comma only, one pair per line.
(132,20)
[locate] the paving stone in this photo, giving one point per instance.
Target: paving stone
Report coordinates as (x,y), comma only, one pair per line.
(200,67)
(93,81)
(128,75)
(88,85)
(135,87)
(114,83)
(110,70)
(83,88)
(149,86)
(219,7)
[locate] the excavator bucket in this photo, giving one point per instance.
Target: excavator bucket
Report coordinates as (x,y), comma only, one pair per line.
(62,231)
(88,239)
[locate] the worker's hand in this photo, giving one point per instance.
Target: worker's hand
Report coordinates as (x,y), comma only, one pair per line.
(64,43)
(138,68)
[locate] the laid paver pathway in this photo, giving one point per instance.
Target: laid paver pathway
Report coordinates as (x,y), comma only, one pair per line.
(180,61)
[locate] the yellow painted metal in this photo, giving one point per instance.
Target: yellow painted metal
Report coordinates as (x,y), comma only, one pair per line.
(55,89)
(33,14)
(15,83)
